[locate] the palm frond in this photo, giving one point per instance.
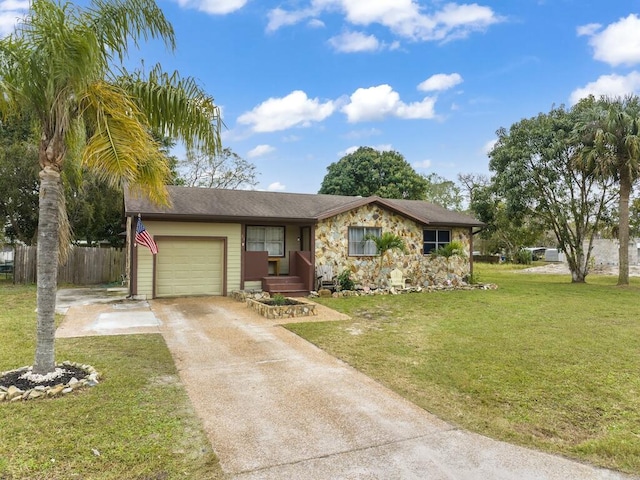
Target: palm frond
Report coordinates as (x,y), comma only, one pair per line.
(117,22)
(121,149)
(177,107)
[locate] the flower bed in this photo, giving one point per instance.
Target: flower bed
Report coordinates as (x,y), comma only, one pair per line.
(296,308)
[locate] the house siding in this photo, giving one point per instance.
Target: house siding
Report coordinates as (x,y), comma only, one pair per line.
(332,247)
(231,231)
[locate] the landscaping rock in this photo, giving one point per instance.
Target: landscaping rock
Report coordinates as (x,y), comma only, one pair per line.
(73,376)
(13,392)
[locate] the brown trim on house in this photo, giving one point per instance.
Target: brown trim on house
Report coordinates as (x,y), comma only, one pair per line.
(153,274)
(243,249)
(369,201)
(133,278)
(312,247)
(270,222)
(470,251)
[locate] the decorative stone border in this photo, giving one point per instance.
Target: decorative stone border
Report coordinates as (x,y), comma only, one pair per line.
(398,291)
(302,309)
(14,394)
(305,308)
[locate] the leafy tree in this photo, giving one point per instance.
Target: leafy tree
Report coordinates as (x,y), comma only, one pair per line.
(610,130)
(224,169)
(538,176)
(503,233)
(470,183)
(63,66)
(18,180)
(95,211)
(443,192)
(367,172)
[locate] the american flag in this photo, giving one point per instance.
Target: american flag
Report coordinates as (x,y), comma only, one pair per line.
(143,238)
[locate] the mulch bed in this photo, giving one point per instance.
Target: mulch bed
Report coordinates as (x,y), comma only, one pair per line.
(13,378)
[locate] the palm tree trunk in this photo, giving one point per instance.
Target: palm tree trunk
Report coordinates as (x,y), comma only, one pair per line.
(47,266)
(623,229)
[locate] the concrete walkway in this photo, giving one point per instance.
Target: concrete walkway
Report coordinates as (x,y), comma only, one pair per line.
(276,407)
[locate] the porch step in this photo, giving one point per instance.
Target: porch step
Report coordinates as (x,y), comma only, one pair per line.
(289,286)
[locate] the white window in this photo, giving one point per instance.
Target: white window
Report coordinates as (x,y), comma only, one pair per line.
(270,239)
(434,239)
(359,244)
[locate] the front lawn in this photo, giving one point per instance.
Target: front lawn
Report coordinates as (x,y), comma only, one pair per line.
(137,424)
(539,362)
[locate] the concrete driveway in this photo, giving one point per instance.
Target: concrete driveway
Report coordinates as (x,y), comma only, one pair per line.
(277,407)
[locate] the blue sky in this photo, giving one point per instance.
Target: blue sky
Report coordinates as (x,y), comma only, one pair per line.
(303,82)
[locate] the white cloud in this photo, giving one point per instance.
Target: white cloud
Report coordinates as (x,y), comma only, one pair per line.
(487,147)
(369,132)
(259,151)
(609,85)
(588,30)
(214,7)
(316,23)
(376,103)
(348,151)
(276,187)
(424,164)
(10,12)
(350,42)
(372,103)
(291,138)
(296,109)
(618,43)
(440,81)
(282,18)
(417,110)
(385,147)
(405,18)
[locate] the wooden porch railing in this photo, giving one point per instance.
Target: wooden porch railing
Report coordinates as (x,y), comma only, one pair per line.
(300,265)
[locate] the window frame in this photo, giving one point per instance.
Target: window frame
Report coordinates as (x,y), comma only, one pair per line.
(352,244)
(436,243)
(265,241)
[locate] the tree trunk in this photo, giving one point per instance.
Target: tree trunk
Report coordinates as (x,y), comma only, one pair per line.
(578,263)
(623,228)
(47,267)
(578,276)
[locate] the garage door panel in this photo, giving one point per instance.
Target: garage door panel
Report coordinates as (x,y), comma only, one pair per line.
(189,267)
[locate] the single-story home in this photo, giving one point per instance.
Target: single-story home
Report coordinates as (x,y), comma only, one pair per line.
(214,241)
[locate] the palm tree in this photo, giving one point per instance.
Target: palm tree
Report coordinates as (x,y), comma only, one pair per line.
(386,243)
(63,66)
(609,129)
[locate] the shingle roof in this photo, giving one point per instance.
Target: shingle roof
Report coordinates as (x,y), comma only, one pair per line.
(190,203)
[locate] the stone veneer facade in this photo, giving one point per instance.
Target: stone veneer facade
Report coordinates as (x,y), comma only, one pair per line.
(332,248)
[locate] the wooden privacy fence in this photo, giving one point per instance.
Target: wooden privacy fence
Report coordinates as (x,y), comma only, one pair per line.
(85,266)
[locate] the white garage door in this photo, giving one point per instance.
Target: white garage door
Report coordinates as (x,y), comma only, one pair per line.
(189,266)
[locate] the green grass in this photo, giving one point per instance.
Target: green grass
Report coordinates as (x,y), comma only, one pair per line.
(139,419)
(539,362)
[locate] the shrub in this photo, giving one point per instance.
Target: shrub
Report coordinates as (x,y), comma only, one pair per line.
(345,281)
(523,257)
(278,299)
(449,250)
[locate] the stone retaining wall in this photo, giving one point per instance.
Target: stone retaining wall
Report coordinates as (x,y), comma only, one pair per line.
(302,309)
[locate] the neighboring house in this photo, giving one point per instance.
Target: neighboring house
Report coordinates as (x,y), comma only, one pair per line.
(606,251)
(212,241)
